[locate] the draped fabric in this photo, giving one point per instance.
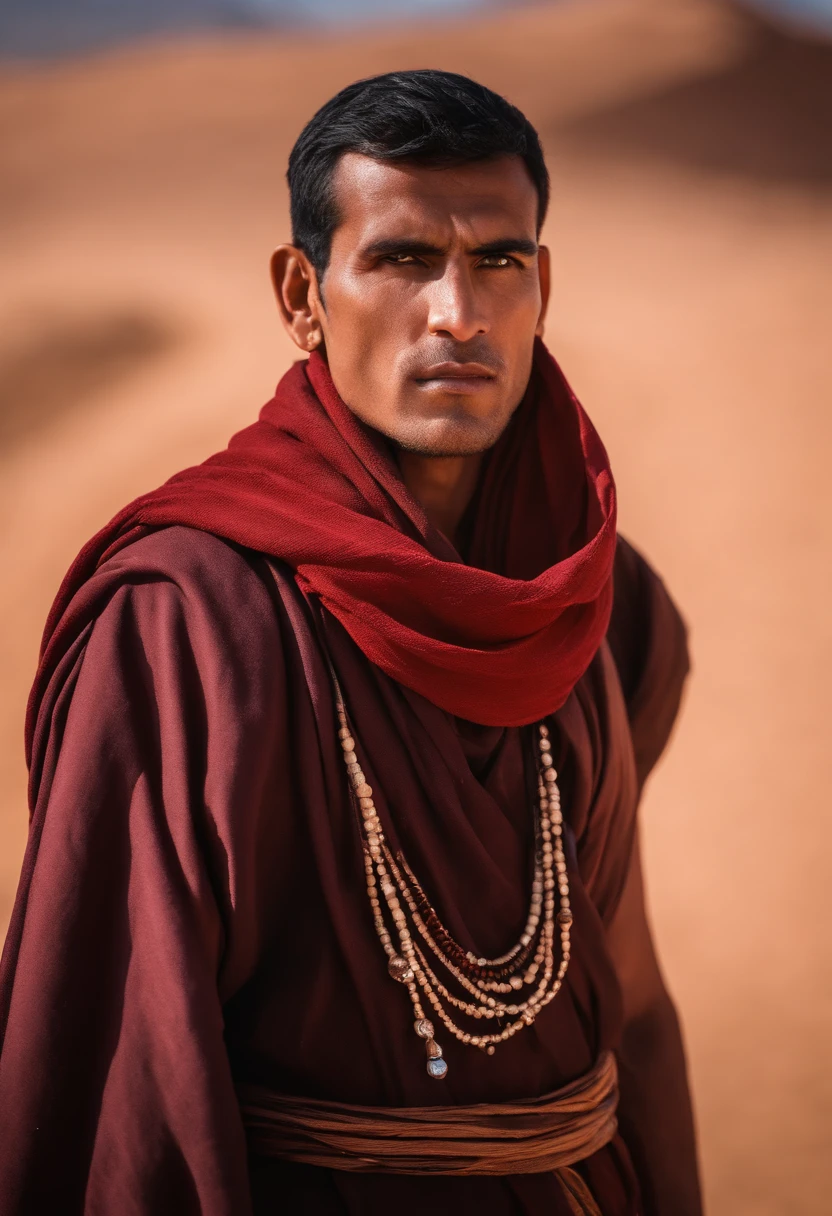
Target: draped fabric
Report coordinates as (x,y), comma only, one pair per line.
(191,915)
(526,1136)
(499,639)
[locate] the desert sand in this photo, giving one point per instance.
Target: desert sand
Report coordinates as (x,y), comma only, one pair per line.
(691,231)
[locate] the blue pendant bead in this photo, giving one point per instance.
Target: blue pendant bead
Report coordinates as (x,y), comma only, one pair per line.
(436,1065)
(437,1068)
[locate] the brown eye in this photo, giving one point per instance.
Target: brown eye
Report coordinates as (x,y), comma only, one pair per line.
(498,260)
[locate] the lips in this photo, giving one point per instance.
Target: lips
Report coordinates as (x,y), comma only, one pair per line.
(457,371)
(456,377)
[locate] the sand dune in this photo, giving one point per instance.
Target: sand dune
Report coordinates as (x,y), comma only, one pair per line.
(692,239)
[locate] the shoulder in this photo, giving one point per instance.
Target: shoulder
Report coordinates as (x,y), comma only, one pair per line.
(178,625)
(185,596)
(648,638)
(198,568)
(192,559)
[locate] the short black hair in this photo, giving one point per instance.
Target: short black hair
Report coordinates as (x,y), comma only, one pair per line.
(424,117)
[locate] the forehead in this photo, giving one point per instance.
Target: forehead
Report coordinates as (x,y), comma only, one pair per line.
(374,196)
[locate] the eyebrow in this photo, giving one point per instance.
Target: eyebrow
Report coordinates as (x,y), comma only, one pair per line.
(510,244)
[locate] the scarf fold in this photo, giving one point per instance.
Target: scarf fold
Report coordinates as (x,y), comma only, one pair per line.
(500,640)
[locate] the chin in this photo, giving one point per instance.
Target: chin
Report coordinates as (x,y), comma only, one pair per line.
(451,432)
(441,440)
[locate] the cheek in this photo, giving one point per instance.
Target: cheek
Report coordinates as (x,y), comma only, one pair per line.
(518,303)
(374,318)
(364,337)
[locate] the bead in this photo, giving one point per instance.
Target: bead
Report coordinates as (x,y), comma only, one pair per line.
(532,959)
(400,969)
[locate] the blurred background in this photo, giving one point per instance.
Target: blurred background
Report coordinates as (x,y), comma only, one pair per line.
(142,156)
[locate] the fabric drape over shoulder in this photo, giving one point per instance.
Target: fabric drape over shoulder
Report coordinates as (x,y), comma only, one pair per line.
(500,639)
(189,915)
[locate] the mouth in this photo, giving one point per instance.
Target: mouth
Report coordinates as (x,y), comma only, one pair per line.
(456,377)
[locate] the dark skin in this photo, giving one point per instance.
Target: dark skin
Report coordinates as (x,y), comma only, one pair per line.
(452,255)
(434,292)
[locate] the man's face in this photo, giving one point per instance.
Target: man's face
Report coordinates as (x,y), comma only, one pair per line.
(432,297)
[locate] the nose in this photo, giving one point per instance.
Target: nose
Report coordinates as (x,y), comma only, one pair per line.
(454,310)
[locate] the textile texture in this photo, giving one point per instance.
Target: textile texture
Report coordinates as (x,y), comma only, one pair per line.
(546,1133)
(191,914)
(499,639)
(192,919)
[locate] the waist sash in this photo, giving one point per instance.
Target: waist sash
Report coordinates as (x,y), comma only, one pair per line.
(524,1137)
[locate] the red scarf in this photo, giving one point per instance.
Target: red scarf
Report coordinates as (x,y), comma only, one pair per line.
(500,640)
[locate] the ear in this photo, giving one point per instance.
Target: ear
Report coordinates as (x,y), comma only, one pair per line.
(544,270)
(295,283)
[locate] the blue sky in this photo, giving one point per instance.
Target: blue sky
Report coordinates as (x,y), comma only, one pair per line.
(347,10)
(813,12)
(35,28)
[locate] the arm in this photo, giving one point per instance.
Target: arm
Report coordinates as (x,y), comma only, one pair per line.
(116,1094)
(655,1114)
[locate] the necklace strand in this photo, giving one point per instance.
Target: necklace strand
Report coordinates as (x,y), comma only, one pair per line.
(393,887)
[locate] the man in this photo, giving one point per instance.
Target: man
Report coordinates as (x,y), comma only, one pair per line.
(332,900)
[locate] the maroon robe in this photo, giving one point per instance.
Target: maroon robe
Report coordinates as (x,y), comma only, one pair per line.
(192,909)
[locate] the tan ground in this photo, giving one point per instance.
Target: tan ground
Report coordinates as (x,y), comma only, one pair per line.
(692,237)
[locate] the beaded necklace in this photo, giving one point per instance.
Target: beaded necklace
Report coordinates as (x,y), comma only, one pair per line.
(415,940)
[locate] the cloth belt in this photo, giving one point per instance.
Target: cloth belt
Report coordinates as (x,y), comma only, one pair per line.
(552,1132)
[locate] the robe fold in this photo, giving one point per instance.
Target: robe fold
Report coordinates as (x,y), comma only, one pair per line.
(192,911)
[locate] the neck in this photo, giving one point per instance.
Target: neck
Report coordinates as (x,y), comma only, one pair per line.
(444,485)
